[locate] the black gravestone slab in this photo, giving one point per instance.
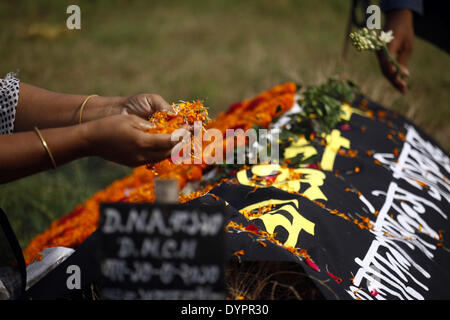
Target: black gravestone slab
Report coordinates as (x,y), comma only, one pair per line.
(161,252)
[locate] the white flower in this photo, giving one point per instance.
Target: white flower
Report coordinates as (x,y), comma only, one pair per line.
(386,37)
(364,39)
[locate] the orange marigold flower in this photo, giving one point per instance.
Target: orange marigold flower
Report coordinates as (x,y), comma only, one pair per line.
(395,152)
(74,228)
(262,243)
(421,183)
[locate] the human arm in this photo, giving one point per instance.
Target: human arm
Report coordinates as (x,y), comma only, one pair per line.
(48,109)
(119,138)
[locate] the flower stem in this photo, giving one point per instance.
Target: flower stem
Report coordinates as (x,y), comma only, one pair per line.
(393,61)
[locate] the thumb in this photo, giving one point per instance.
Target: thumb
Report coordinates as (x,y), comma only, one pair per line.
(386,66)
(145,126)
(402,60)
(393,48)
(404,70)
(158,141)
(159,104)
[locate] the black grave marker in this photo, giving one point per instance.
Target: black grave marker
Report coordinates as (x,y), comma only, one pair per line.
(161,251)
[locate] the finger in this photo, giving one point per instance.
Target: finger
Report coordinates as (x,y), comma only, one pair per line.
(404,52)
(387,68)
(145,126)
(144,104)
(393,48)
(159,141)
(138,105)
(401,52)
(397,81)
(140,124)
(400,84)
(390,72)
(382,60)
(404,71)
(159,104)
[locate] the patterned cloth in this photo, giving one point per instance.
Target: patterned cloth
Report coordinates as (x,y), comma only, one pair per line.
(9,95)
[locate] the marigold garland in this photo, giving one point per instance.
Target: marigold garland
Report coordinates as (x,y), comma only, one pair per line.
(72,229)
(184,113)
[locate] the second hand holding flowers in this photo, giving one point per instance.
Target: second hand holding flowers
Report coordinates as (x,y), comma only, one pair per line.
(365,39)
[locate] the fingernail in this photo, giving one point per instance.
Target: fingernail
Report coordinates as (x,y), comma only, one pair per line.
(147,125)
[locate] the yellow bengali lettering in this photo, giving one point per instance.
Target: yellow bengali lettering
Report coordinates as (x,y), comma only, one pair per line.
(275,218)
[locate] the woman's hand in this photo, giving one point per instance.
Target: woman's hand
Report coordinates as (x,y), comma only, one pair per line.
(144,105)
(122,139)
(118,138)
(47,109)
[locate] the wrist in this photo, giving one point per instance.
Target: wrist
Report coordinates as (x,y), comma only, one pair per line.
(100,107)
(113,105)
(87,139)
(399,18)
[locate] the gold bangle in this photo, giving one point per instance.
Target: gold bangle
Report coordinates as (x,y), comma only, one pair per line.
(83,104)
(46,147)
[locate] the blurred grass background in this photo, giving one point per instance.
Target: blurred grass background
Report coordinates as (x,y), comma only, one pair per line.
(222,51)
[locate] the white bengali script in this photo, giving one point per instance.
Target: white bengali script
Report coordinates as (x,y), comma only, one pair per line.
(387,268)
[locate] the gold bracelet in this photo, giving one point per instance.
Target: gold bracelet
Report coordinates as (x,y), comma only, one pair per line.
(84,103)
(46,147)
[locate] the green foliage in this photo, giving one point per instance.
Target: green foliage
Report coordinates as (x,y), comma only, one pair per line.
(321,107)
(321,112)
(300,159)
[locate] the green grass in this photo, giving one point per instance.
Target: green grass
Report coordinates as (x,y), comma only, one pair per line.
(222,51)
